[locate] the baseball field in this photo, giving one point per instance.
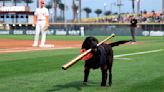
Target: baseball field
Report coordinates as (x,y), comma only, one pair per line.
(137,67)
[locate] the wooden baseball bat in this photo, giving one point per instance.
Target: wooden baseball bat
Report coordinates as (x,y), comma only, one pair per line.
(79,57)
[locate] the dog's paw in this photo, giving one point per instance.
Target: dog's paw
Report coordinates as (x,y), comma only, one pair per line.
(110,84)
(84,83)
(103,84)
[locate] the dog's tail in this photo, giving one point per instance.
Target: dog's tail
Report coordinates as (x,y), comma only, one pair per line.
(119,42)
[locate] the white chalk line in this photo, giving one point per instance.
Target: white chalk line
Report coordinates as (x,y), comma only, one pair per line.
(123,58)
(138,53)
(30,49)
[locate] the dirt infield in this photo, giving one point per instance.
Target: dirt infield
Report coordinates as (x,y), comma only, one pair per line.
(8,45)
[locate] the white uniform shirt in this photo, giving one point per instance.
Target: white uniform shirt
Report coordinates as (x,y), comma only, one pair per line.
(41,13)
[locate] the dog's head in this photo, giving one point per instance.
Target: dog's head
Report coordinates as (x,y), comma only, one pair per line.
(91,58)
(90,42)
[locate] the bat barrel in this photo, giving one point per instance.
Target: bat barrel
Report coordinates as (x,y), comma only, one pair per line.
(75,60)
(69,64)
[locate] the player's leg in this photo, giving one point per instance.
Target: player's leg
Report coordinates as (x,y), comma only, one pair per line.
(133,34)
(43,40)
(36,37)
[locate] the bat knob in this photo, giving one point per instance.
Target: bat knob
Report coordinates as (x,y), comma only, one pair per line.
(64,68)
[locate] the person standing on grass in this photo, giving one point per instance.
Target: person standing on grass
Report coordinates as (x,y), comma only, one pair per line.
(41,22)
(133,25)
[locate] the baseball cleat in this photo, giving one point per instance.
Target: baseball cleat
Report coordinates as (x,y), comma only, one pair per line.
(34,45)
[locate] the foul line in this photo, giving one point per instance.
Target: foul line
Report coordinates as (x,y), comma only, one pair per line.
(137,53)
(123,58)
(30,49)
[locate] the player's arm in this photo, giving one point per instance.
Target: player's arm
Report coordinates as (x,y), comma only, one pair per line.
(47,24)
(47,17)
(47,20)
(35,20)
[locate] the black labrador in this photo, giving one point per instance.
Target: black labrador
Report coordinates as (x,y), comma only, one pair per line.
(101,57)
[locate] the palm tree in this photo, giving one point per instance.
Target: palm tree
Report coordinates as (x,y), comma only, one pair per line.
(62,8)
(74,9)
(88,11)
(3,14)
(80,9)
(55,9)
(119,4)
(28,2)
(98,12)
(107,13)
(3,2)
(16,1)
(15,4)
(163,6)
(37,3)
(138,6)
(49,6)
(56,2)
(133,7)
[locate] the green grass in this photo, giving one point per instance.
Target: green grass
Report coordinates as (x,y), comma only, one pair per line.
(31,37)
(54,37)
(40,71)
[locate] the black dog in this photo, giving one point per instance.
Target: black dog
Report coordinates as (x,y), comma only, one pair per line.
(102,56)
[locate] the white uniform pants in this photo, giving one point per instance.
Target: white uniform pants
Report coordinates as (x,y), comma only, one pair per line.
(40,28)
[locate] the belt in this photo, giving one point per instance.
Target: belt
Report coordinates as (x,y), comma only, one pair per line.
(41,19)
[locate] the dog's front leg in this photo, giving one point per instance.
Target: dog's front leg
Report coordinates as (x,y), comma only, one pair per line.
(86,74)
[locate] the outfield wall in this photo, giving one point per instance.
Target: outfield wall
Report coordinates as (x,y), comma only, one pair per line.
(89,29)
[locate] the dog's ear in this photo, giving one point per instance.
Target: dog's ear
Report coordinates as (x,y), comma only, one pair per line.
(85,44)
(96,40)
(89,42)
(94,45)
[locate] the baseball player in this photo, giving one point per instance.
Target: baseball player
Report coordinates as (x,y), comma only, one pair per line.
(41,22)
